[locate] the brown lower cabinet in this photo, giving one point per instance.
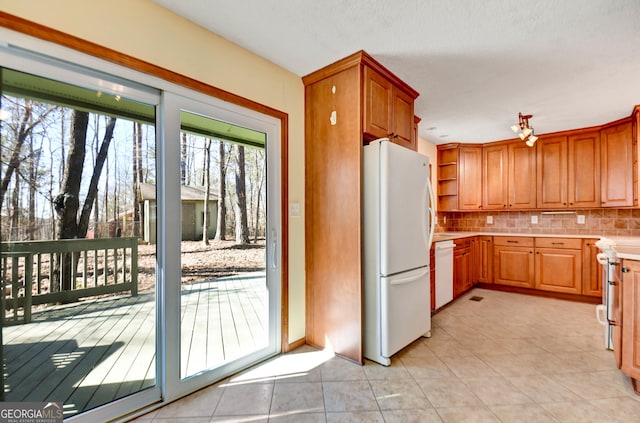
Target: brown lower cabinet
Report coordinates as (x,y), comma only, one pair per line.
(545,263)
(462,266)
(627,327)
(513,261)
(558,265)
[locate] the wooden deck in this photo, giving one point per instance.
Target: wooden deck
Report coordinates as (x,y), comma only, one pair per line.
(92,352)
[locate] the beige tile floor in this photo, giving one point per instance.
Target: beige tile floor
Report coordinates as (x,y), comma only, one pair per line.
(506,358)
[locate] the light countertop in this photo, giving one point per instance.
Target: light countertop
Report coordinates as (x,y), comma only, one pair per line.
(445,236)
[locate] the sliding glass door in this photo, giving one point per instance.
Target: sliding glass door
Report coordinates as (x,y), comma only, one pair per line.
(125,283)
(226,294)
(78,278)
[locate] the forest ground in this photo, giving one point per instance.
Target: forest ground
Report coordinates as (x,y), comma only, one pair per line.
(201,262)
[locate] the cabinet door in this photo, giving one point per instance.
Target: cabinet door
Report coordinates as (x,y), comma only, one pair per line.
(616,166)
(402,131)
(558,270)
(584,170)
(591,269)
(461,269)
(470,178)
(552,173)
(631,319)
(494,177)
(513,265)
(485,260)
(378,103)
(522,176)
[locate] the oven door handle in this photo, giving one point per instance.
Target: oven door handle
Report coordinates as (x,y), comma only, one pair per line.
(602,259)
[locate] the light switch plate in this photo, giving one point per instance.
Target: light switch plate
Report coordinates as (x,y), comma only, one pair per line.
(581,220)
(489,220)
(294,209)
(534,220)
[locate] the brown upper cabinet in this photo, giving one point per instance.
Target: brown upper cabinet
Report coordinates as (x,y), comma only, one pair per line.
(470,178)
(388,109)
(576,169)
(584,170)
(509,176)
(552,172)
(569,171)
(618,173)
(495,177)
(522,176)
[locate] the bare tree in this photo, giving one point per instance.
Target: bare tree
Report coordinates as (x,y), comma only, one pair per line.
(207,189)
(183,159)
(25,127)
(260,177)
(221,226)
(242,228)
(67,202)
(137,176)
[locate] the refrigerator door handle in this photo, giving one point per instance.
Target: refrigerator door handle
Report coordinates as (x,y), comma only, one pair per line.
(409,279)
(429,199)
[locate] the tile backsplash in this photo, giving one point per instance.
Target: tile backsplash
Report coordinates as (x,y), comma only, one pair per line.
(620,222)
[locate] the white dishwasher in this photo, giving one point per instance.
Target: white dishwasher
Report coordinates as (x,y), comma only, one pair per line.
(444,272)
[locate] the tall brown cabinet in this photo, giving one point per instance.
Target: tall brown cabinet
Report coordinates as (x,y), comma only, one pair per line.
(348,103)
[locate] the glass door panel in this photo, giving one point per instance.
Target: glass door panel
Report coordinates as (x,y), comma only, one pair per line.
(224,295)
(78,254)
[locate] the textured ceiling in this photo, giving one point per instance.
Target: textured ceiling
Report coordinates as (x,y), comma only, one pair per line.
(476,63)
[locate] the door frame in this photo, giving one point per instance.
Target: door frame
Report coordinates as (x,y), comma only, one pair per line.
(169,236)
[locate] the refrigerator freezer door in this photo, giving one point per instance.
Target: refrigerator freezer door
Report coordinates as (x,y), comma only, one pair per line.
(405,310)
(404,201)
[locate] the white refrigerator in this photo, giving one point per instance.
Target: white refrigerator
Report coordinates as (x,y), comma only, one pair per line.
(397,234)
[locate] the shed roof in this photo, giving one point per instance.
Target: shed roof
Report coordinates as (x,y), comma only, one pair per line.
(187,193)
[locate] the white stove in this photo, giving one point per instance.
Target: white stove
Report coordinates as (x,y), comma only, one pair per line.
(610,265)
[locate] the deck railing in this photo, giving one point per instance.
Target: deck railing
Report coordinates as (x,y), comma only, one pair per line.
(97,267)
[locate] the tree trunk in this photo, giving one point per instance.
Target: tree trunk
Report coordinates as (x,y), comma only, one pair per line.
(260,175)
(221,226)
(242,228)
(32,191)
(183,160)
(67,203)
(15,205)
(207,189)
(83,224)
(138,205)
(136,178)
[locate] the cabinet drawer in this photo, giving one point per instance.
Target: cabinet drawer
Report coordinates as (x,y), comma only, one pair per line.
(462,243)
(515,241)
(549,242)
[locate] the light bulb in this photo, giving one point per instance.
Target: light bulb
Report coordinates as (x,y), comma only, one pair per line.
(527,132)
(515,128)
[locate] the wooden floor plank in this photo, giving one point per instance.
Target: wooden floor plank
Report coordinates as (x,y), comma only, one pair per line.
(92,352)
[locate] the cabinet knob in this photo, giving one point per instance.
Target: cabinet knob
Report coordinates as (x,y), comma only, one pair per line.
(624,270)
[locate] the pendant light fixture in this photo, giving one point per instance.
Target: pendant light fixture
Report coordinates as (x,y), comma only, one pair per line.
(524,131)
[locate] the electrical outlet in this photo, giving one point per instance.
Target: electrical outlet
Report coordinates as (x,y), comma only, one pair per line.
(534,220)
(581,220)
(489,220)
